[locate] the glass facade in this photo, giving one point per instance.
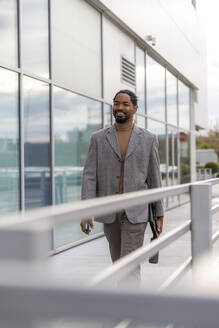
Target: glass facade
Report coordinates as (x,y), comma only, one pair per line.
(160,131)
(155,74)
(107,115)
(58,110)
(35,39)
(9,142)
(36,143)
(8,32)
(75,119)
(79,53)
(184,105)
(140,79)
(171,96)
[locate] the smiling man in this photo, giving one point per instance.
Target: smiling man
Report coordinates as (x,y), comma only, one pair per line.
(123,158)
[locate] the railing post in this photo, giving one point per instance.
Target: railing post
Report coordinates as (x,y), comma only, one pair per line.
(201,221)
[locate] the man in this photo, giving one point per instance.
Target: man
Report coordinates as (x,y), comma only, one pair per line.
(123,158)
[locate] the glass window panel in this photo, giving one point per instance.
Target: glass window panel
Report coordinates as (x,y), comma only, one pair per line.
(140,79)
(155,74)
(184,106)
(171,87)
(160,131)
(35,49)
(8,32)
(184,148)
(140,121)
(36,143)
(76,46)
(173,163)
(107,115)
(75,119)
(9,142)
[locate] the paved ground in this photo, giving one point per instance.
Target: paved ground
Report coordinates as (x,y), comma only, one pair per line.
(83,262)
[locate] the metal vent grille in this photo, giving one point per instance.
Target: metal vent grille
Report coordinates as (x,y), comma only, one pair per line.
(128,71)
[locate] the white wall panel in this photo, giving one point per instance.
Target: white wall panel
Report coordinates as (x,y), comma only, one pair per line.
(179,37)
(115,44)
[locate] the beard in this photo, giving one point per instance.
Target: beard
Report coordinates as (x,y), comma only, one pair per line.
(121,117)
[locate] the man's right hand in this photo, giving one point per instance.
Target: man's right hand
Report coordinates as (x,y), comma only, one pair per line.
(84,223)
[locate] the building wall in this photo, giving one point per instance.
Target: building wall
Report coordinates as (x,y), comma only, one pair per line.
(59,71)
(179,38)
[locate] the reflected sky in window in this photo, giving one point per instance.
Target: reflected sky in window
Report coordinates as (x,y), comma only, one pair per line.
(155,74)
(171,83)
(8,32)
(184,106)
(35,47)
(140,79)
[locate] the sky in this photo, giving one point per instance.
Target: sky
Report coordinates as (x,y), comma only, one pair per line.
(209,11)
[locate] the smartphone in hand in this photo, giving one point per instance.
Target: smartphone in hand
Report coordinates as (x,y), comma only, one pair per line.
(88,230)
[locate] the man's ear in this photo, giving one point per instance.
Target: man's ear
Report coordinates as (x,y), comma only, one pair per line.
(135,108)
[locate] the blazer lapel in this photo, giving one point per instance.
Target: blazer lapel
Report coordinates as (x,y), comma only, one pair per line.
(111,136)
(134,141)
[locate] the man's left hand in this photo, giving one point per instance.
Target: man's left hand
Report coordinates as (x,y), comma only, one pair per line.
(159,224)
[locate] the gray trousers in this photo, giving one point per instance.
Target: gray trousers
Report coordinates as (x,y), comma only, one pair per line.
(124,237)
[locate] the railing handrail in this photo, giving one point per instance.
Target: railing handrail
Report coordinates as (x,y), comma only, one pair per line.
(98,206)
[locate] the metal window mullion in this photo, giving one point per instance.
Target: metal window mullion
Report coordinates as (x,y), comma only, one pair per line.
(102,56)
(145,86)
(52,150)
(21,107)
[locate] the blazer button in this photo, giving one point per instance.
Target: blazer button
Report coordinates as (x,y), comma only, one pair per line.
(118,176)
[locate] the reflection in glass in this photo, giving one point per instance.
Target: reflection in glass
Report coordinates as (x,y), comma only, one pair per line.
(184,149)
(140,120)
(171,87)
(155,74)
(75,119)
(8,32)
(160,131)
(35,49)
(107,115)
(9,142)
(184,106)
(140,79)
(76,46)
(173,162)
(36,143)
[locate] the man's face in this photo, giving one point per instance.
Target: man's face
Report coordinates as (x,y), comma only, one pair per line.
(123,108)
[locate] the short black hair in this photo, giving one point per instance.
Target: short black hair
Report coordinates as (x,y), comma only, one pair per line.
(131,94)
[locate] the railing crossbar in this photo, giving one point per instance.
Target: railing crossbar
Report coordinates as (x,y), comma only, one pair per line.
(215,237)
(214,209)
(177,274)
(126,264)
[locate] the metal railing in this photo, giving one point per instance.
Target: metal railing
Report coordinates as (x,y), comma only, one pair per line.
(26,281)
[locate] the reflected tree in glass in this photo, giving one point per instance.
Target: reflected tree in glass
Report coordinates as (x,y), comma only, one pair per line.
(184,144)
(9,142)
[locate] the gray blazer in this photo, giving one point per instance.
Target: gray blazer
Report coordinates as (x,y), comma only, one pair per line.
(141,169)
